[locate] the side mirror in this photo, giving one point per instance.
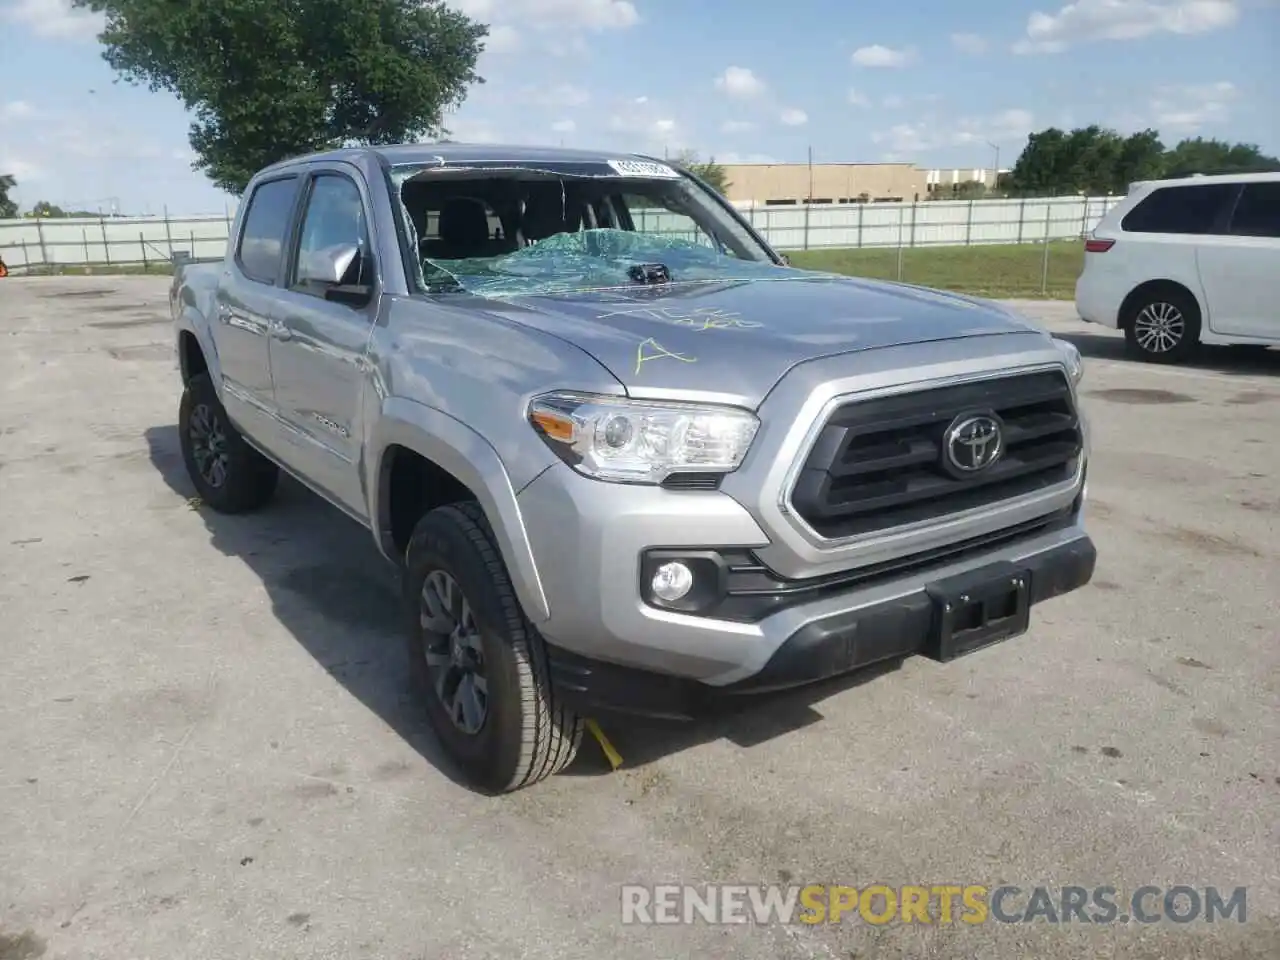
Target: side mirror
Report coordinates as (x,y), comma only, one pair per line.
(327,267)
(786,261)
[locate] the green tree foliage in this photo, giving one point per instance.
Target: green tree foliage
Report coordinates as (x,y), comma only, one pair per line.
(1095,161)
(270,79)
(8,207)
(1217,156)
(714,174)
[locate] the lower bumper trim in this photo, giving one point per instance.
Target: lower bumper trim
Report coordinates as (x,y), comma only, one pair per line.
(911,625)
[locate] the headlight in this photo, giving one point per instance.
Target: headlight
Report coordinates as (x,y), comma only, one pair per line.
(637,441)
(1071,357)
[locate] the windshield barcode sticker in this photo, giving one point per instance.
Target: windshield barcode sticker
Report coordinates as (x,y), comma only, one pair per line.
(643,168)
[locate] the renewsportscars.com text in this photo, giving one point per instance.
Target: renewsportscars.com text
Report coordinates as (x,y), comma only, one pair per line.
(935,904)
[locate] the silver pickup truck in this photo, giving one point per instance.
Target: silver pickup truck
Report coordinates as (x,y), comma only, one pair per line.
(624,456)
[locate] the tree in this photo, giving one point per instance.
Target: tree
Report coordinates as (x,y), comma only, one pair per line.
(1215,156)
(269,79)
(8,207)
(45,209)
(1095,160)
(714,174)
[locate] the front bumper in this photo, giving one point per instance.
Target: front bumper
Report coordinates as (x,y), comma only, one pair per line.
(588,540)
(828,645)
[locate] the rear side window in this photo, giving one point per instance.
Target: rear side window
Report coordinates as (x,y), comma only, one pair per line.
(1258,211)
(1186,210)
(265,224)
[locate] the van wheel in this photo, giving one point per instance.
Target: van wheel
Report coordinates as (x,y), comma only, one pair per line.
(1163,326)
(229,475)
(476,662)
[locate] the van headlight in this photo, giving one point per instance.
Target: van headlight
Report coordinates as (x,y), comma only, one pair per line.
(1071,357)
(639,441)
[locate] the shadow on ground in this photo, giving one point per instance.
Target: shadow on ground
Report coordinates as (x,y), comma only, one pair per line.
(339,598)
(1236,359)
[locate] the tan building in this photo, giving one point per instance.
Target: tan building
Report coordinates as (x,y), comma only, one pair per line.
(784,184)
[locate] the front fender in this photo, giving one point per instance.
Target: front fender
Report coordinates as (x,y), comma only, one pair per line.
(456,448)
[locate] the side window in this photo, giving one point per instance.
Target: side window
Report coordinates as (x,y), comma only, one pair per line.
(1181,210)
(654,216)
(1258,211)
(332,226)
(265,224)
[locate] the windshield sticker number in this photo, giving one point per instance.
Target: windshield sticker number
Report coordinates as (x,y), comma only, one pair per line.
(643,168)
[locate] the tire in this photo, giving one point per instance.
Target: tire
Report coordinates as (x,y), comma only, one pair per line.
(1163,326)
(524,734)
(246,480)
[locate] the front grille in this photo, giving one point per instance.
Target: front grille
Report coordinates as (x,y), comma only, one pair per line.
(879,463)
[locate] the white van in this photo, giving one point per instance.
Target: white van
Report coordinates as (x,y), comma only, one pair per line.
(1178,263)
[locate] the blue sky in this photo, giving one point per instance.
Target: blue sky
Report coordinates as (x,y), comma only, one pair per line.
(929,82)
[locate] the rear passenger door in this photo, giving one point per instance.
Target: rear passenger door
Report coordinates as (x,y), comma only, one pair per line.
(1240,270)
(246,301)
(318,350)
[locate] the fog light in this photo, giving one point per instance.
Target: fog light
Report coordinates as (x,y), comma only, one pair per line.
(672,581)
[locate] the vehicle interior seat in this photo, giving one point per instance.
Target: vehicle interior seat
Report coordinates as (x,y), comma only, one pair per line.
(548,213)
(464,230)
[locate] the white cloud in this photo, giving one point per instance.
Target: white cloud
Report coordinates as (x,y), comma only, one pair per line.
(877,55)
(583,14)
(857,98)
(737,126)
(564,126)
(55,19)
(22,170)
(794,117)
(740,83)
(970,43)
(16,110)
(560,95)
(503,38)
(1189,107)
(907,139)
(893,102)
(732,158)
(469,130)
(1087,20)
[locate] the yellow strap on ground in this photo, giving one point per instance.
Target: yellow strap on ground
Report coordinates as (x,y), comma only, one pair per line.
(610,754)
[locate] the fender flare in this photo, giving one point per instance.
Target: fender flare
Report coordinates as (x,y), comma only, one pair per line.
(454,447)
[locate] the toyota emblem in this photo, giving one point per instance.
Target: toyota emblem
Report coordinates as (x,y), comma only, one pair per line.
(973,443)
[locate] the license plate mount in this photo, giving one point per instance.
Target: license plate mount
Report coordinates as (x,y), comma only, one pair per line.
(977,609)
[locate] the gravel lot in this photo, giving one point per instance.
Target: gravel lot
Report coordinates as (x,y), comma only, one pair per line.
(206,750)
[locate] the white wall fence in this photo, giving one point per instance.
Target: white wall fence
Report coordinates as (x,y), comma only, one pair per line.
(146,241)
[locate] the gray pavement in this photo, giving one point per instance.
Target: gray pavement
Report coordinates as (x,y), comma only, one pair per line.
(207,751)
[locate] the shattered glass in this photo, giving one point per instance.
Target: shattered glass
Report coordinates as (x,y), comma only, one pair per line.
(594,259)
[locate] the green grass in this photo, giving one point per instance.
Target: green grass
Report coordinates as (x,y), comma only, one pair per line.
(1005,270)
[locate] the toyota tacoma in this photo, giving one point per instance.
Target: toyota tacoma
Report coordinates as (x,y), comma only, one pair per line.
(624,456)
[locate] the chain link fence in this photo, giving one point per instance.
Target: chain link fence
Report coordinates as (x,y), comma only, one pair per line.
(1021,247)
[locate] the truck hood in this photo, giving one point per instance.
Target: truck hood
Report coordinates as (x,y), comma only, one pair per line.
(739,337)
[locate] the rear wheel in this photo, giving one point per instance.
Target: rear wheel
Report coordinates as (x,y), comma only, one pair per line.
(479,666)
(229,475)
(1163,326)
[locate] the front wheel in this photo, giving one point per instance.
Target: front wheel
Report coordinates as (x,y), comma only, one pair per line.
(1163,327)
(477,663)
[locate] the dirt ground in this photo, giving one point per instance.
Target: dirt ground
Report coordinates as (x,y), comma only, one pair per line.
(207,749)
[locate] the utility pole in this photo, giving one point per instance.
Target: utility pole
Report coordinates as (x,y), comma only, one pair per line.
(995,173)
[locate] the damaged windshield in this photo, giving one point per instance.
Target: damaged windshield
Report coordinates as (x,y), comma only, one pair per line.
(501,230)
